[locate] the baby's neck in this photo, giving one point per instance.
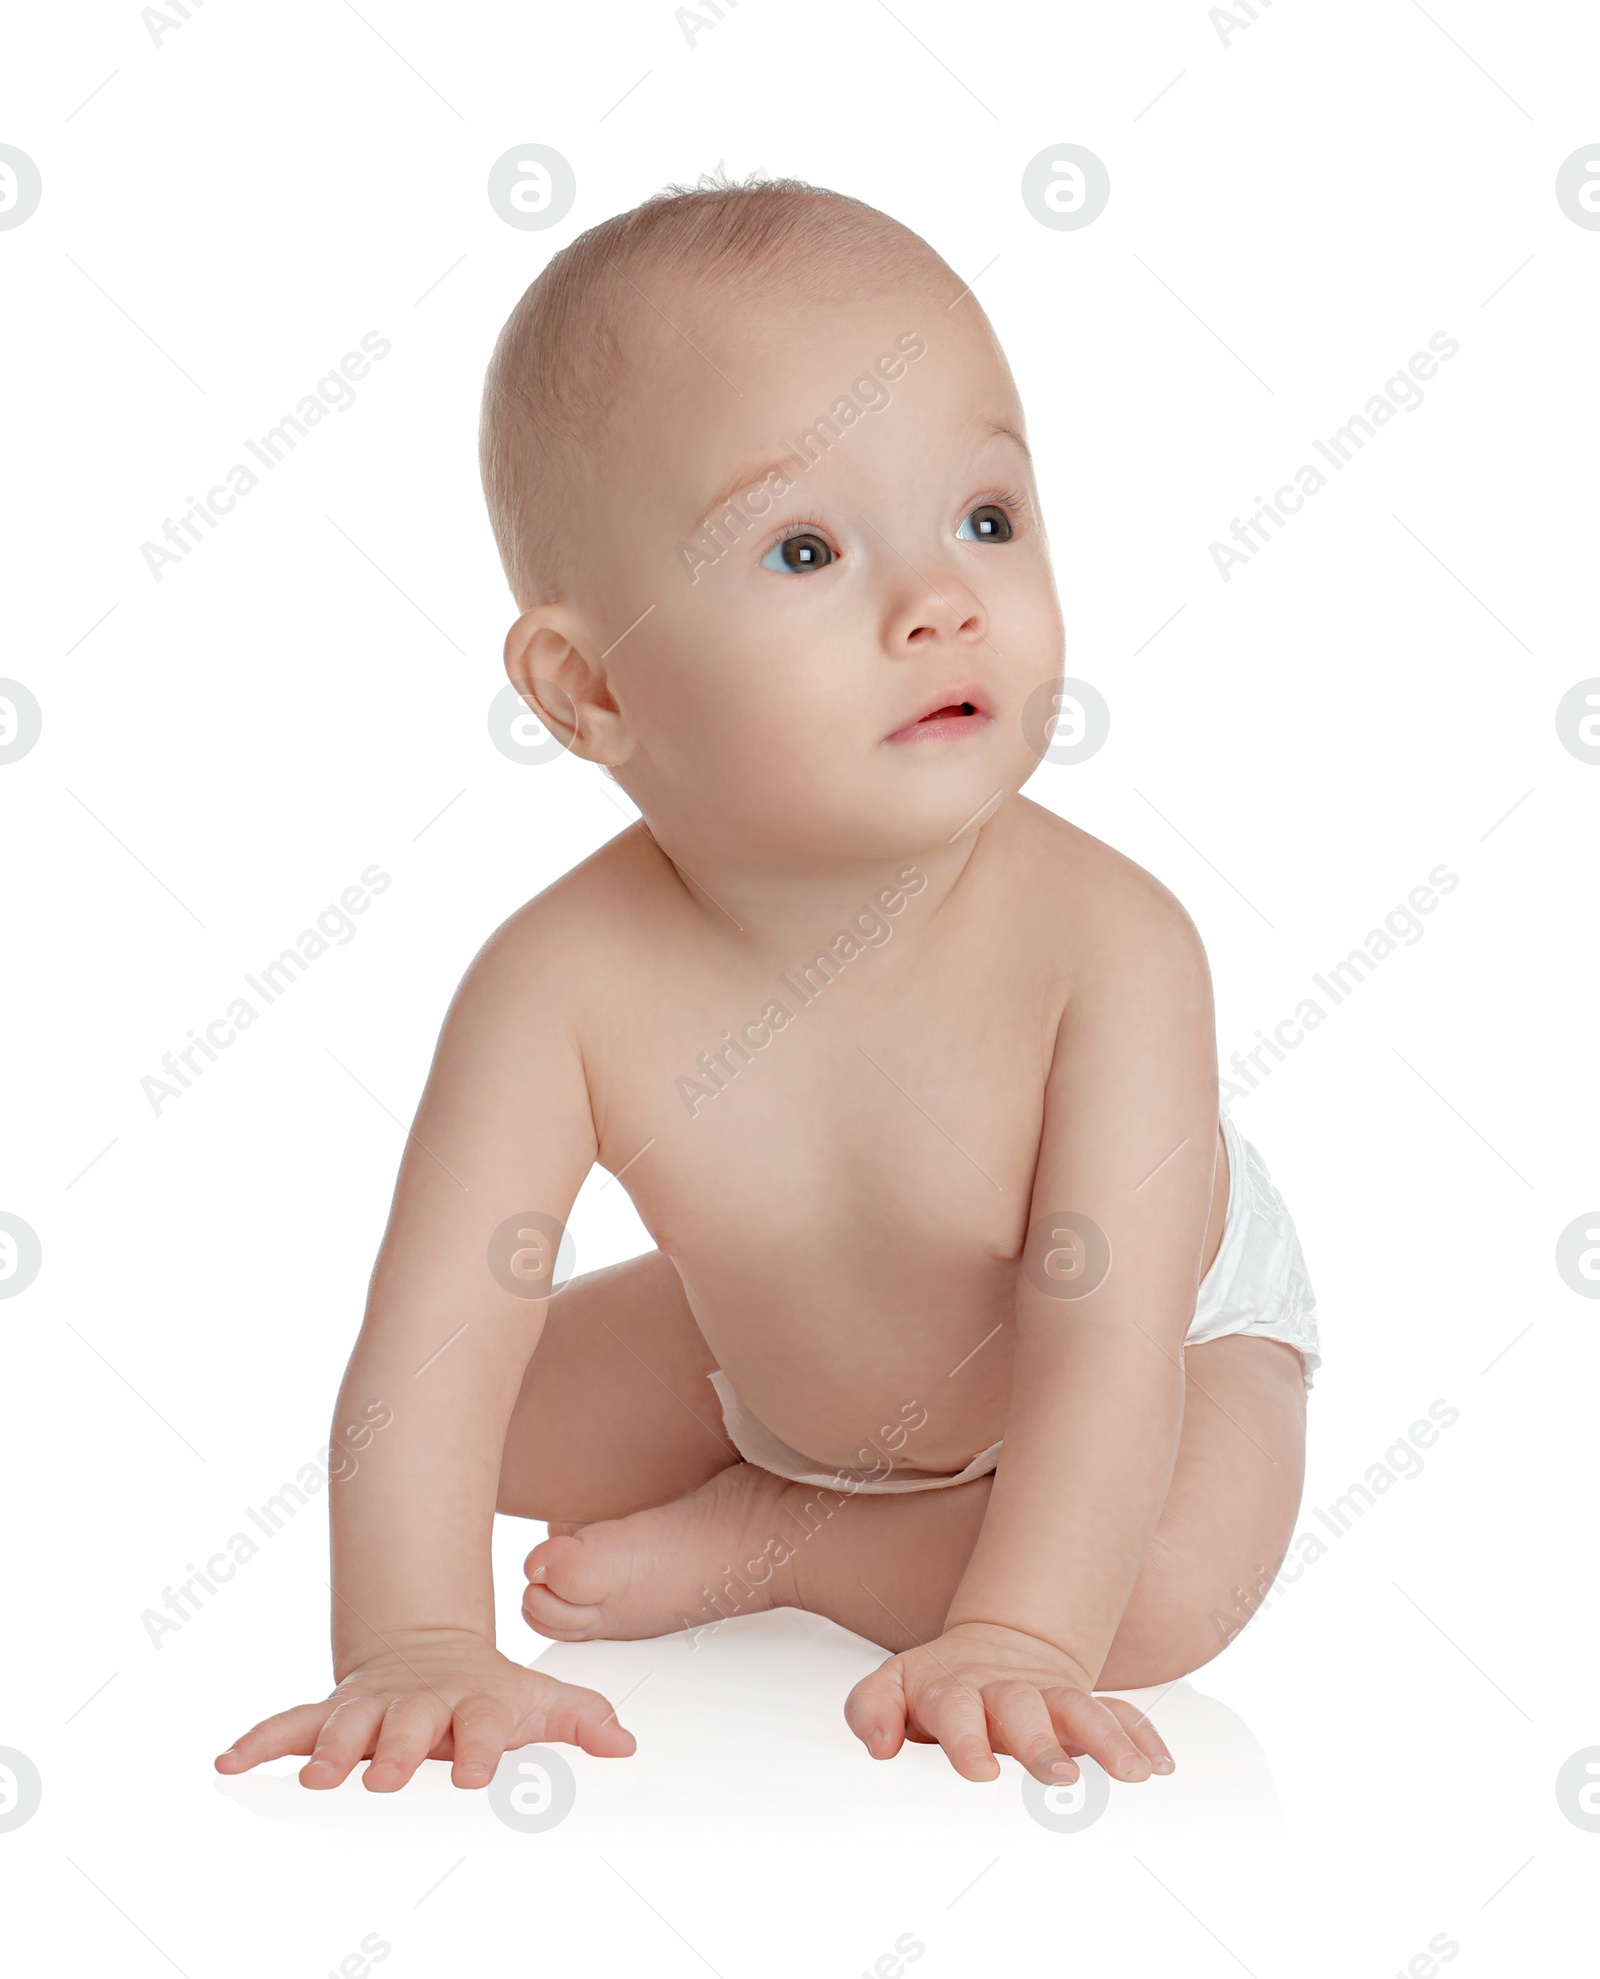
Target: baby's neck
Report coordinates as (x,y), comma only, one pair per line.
(780,905)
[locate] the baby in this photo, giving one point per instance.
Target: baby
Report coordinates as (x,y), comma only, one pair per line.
(969,1324)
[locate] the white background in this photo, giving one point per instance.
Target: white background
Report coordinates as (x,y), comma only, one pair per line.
(1294,211)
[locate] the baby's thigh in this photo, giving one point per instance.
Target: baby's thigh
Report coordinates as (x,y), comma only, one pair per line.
(615,1411)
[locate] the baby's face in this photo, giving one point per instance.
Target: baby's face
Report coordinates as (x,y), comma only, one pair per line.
(838,666)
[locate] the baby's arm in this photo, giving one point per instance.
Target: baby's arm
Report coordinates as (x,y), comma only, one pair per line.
(504,1128)
(1092,1432)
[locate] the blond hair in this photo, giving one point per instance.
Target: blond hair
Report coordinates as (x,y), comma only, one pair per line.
(560,359)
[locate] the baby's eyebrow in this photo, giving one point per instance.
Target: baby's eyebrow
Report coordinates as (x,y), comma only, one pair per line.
(987,428)
(1000,429)
(750,477)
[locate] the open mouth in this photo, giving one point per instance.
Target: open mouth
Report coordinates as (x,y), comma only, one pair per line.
(949,719)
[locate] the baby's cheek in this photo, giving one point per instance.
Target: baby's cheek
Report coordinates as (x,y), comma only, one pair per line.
(1026,624)
(767,715)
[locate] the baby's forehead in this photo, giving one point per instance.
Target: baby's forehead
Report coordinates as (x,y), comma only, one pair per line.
(724,372)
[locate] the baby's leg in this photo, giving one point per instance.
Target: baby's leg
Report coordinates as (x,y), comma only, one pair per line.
(615,1412)
(887,1565)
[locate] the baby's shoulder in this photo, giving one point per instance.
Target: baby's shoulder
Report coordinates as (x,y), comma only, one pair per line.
(1103,908)
(556,951)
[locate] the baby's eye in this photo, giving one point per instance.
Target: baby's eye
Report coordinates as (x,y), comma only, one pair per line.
(987,524)
(799,552)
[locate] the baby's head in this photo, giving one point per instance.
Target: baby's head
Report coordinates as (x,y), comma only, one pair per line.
(756,468)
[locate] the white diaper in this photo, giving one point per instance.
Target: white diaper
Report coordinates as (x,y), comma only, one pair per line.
(757,1445)
(1257,1284)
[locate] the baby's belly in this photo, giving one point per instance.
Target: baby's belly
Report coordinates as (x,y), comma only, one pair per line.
(877,1317)
(853,1372)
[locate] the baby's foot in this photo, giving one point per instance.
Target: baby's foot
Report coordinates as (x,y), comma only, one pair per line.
(721,1551)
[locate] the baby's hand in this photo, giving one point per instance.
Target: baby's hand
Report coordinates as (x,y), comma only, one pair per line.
(431,1694)
(979,1689)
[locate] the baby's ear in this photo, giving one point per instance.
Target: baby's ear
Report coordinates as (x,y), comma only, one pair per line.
(546,662)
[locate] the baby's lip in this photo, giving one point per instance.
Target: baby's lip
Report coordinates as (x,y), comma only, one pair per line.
(952,712)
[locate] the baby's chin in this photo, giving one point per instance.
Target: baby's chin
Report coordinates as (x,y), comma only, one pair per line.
(898,820)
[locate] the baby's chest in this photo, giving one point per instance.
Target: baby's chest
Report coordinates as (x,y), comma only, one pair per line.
(908,1126)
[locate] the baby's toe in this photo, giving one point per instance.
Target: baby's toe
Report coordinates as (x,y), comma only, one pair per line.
(563,1621)
(586,1570)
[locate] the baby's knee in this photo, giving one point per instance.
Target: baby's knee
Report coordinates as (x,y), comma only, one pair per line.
(1179,1619)
(1159,1651)
(522,1496)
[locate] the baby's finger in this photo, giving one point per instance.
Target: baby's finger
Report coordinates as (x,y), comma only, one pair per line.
(481,1730)
(1080,1716)
(572,1715)
(597,1730)
(343,1741)
(876,1710)
(412,1726)
(284,1732)
(1020,1723)
(956,1717)
(1142,1732)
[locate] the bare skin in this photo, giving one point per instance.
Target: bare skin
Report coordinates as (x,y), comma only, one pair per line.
(841,1172)
(617,1437)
